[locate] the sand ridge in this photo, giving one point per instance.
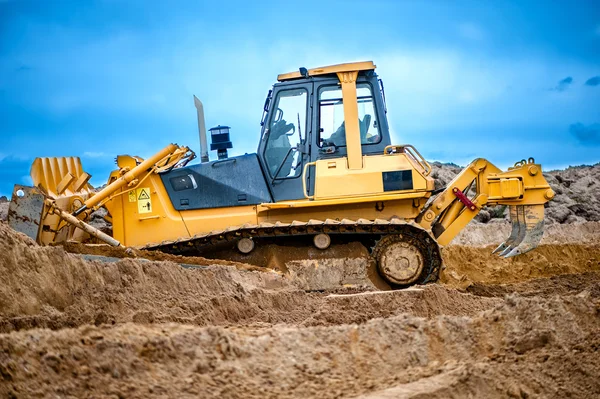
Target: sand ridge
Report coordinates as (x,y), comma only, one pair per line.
(521,327)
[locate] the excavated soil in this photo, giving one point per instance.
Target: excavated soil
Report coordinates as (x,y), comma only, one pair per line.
(467,265)
(134,327)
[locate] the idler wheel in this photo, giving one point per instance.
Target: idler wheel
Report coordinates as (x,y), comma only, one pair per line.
(399,261)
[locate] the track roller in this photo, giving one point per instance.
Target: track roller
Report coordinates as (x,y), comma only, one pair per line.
(245,245)
(322,241)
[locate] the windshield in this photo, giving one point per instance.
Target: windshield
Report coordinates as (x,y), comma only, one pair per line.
(286,131)
(332,130)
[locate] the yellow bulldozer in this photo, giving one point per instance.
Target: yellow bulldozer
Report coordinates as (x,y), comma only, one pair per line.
(325,171)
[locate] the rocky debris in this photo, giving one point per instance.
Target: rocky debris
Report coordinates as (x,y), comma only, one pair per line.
(443,173)
(97,220)
(577,191)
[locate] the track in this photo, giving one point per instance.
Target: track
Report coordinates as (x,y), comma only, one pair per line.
(368,232)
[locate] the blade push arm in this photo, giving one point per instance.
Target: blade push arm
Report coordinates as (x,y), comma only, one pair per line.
(522,187)
(164,159)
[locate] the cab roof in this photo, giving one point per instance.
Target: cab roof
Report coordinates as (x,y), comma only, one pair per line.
(327,70)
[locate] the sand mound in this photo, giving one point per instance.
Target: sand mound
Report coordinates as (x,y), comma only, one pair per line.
(47,287)
(568,284)
(522,347)
(466,265)
(149,328)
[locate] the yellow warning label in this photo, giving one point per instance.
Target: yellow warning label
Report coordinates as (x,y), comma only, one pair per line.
(144,201)
(132,196)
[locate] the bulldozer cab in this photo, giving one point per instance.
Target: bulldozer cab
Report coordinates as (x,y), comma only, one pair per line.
(305,120)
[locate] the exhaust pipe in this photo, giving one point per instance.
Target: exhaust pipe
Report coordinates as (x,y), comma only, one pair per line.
(201,130)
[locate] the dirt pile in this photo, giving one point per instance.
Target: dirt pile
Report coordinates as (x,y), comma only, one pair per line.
(567,284)
(467,265)
(47,287)
(151,328)
(522,347)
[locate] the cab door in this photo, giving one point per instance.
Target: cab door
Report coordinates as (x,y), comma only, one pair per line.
(284,146)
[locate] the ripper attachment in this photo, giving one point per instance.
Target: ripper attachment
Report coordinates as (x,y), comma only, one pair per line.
(523,188)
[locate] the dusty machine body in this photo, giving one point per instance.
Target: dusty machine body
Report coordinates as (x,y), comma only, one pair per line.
(325,169)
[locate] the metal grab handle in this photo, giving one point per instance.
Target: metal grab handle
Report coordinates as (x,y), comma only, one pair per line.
(223,161)
(412,151)
(304,190)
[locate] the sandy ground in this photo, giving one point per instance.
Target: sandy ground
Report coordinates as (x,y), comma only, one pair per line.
(522,327)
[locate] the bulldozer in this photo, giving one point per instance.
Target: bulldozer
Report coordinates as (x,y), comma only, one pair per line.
(325,171)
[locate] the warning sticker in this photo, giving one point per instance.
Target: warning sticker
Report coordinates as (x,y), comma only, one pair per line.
(143,194)
(132,196)
(144,201)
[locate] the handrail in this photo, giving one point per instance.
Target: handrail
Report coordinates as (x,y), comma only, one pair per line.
(412,151)
(304,190)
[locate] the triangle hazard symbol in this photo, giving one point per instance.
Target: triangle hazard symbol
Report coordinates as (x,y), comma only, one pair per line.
(144,195)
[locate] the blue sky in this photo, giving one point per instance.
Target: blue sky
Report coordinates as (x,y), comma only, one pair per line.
(500,80)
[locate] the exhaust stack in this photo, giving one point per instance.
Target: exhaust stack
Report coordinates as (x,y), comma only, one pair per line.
(201,130)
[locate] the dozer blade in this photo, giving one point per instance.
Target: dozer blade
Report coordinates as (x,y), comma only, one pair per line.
(60,180)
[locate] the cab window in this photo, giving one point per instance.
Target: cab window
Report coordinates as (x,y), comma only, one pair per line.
(332,130)
(286,132)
